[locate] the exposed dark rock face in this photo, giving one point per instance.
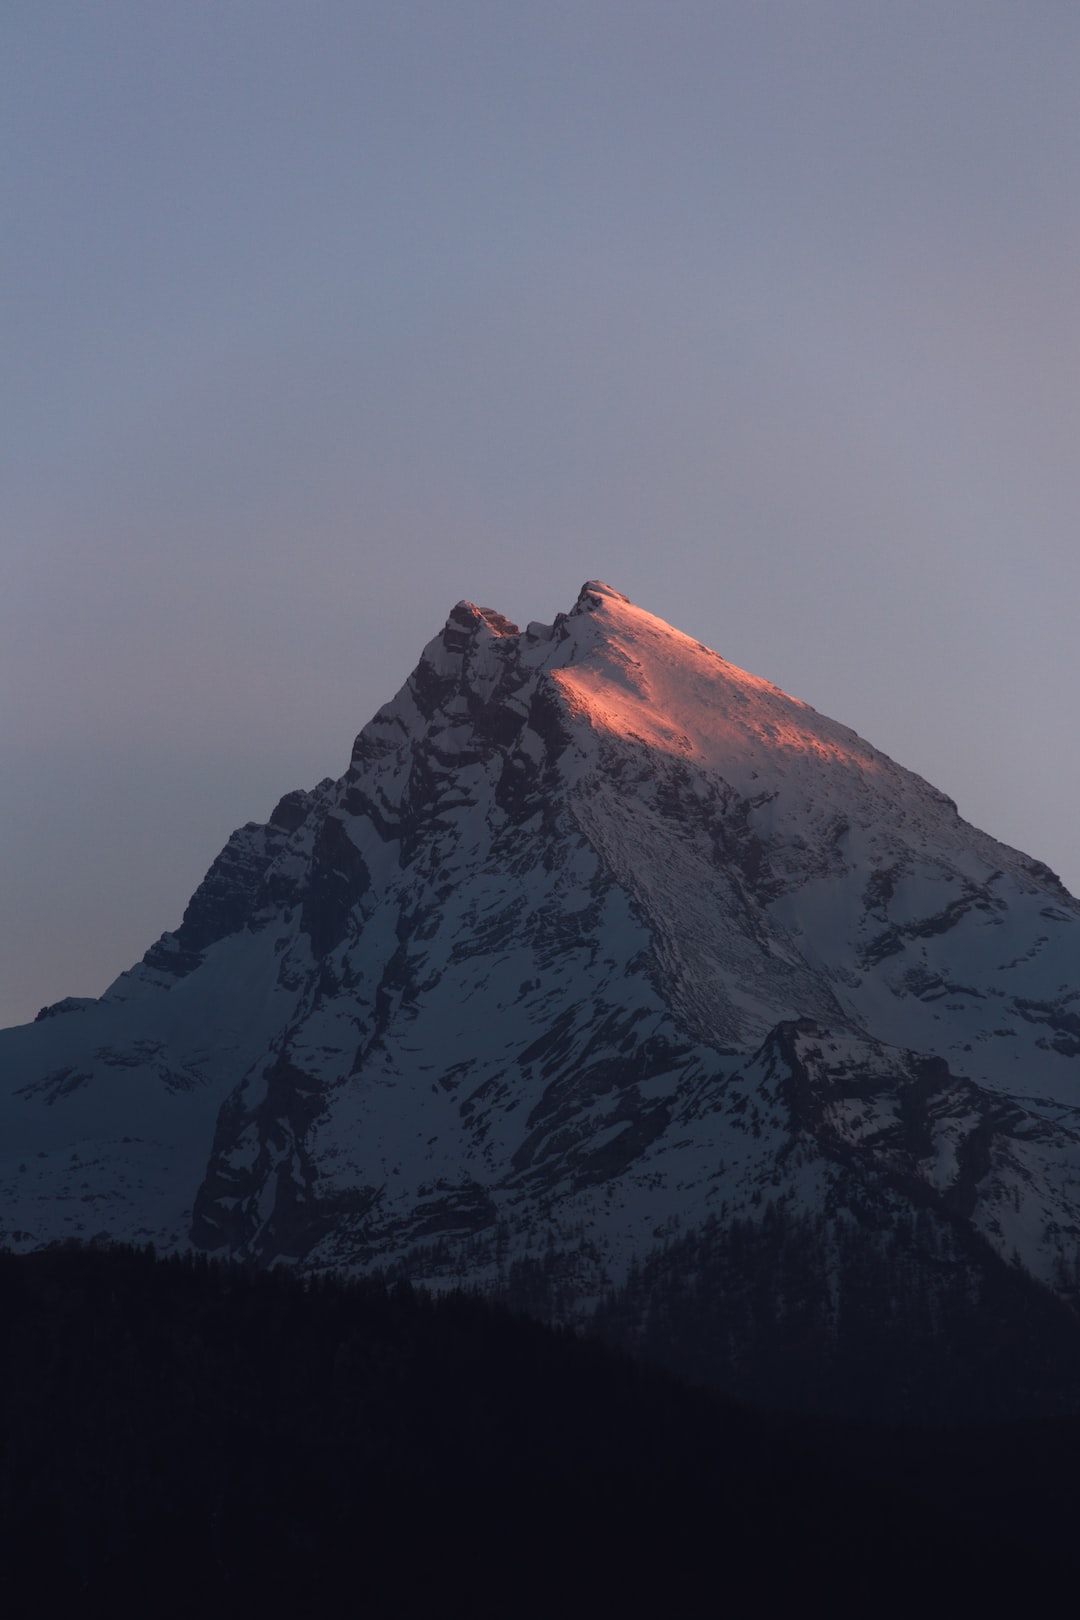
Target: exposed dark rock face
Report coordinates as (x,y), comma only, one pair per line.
(234,892)
(615,982)
(69,1004)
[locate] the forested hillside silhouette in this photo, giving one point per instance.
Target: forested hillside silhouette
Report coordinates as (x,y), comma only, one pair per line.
(181,1435)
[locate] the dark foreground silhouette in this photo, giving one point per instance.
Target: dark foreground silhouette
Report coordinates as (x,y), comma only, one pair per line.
(184,1437)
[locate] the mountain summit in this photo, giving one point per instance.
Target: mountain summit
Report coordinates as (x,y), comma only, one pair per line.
(613,981)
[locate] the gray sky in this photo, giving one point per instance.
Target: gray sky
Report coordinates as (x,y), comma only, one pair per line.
(318,317)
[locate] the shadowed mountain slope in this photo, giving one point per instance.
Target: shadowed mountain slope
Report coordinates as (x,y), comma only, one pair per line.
(601,954)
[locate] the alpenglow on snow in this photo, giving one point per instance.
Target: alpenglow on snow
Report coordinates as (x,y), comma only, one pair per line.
(606,978)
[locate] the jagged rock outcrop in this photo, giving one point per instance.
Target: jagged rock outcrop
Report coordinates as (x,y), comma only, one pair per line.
(598,943)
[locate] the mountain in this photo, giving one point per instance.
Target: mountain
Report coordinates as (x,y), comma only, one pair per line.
(619,984)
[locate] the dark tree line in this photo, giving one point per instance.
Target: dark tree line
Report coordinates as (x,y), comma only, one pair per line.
(902,1318)
(179,1436)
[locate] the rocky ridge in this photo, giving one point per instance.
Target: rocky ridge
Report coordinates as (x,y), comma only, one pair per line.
(599,946)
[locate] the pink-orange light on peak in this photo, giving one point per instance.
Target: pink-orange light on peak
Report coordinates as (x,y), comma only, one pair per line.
(737,718)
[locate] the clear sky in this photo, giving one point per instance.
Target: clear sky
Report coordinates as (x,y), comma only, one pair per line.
(318,317)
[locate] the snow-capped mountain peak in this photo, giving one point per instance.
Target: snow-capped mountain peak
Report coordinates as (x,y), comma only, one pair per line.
(598,939)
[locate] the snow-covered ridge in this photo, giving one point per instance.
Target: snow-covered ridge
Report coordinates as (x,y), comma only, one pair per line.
(596,935)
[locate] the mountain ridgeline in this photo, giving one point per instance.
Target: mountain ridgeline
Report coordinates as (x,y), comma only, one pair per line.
(611,982)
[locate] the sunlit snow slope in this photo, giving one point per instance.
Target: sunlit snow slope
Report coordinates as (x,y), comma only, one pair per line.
(598,940)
